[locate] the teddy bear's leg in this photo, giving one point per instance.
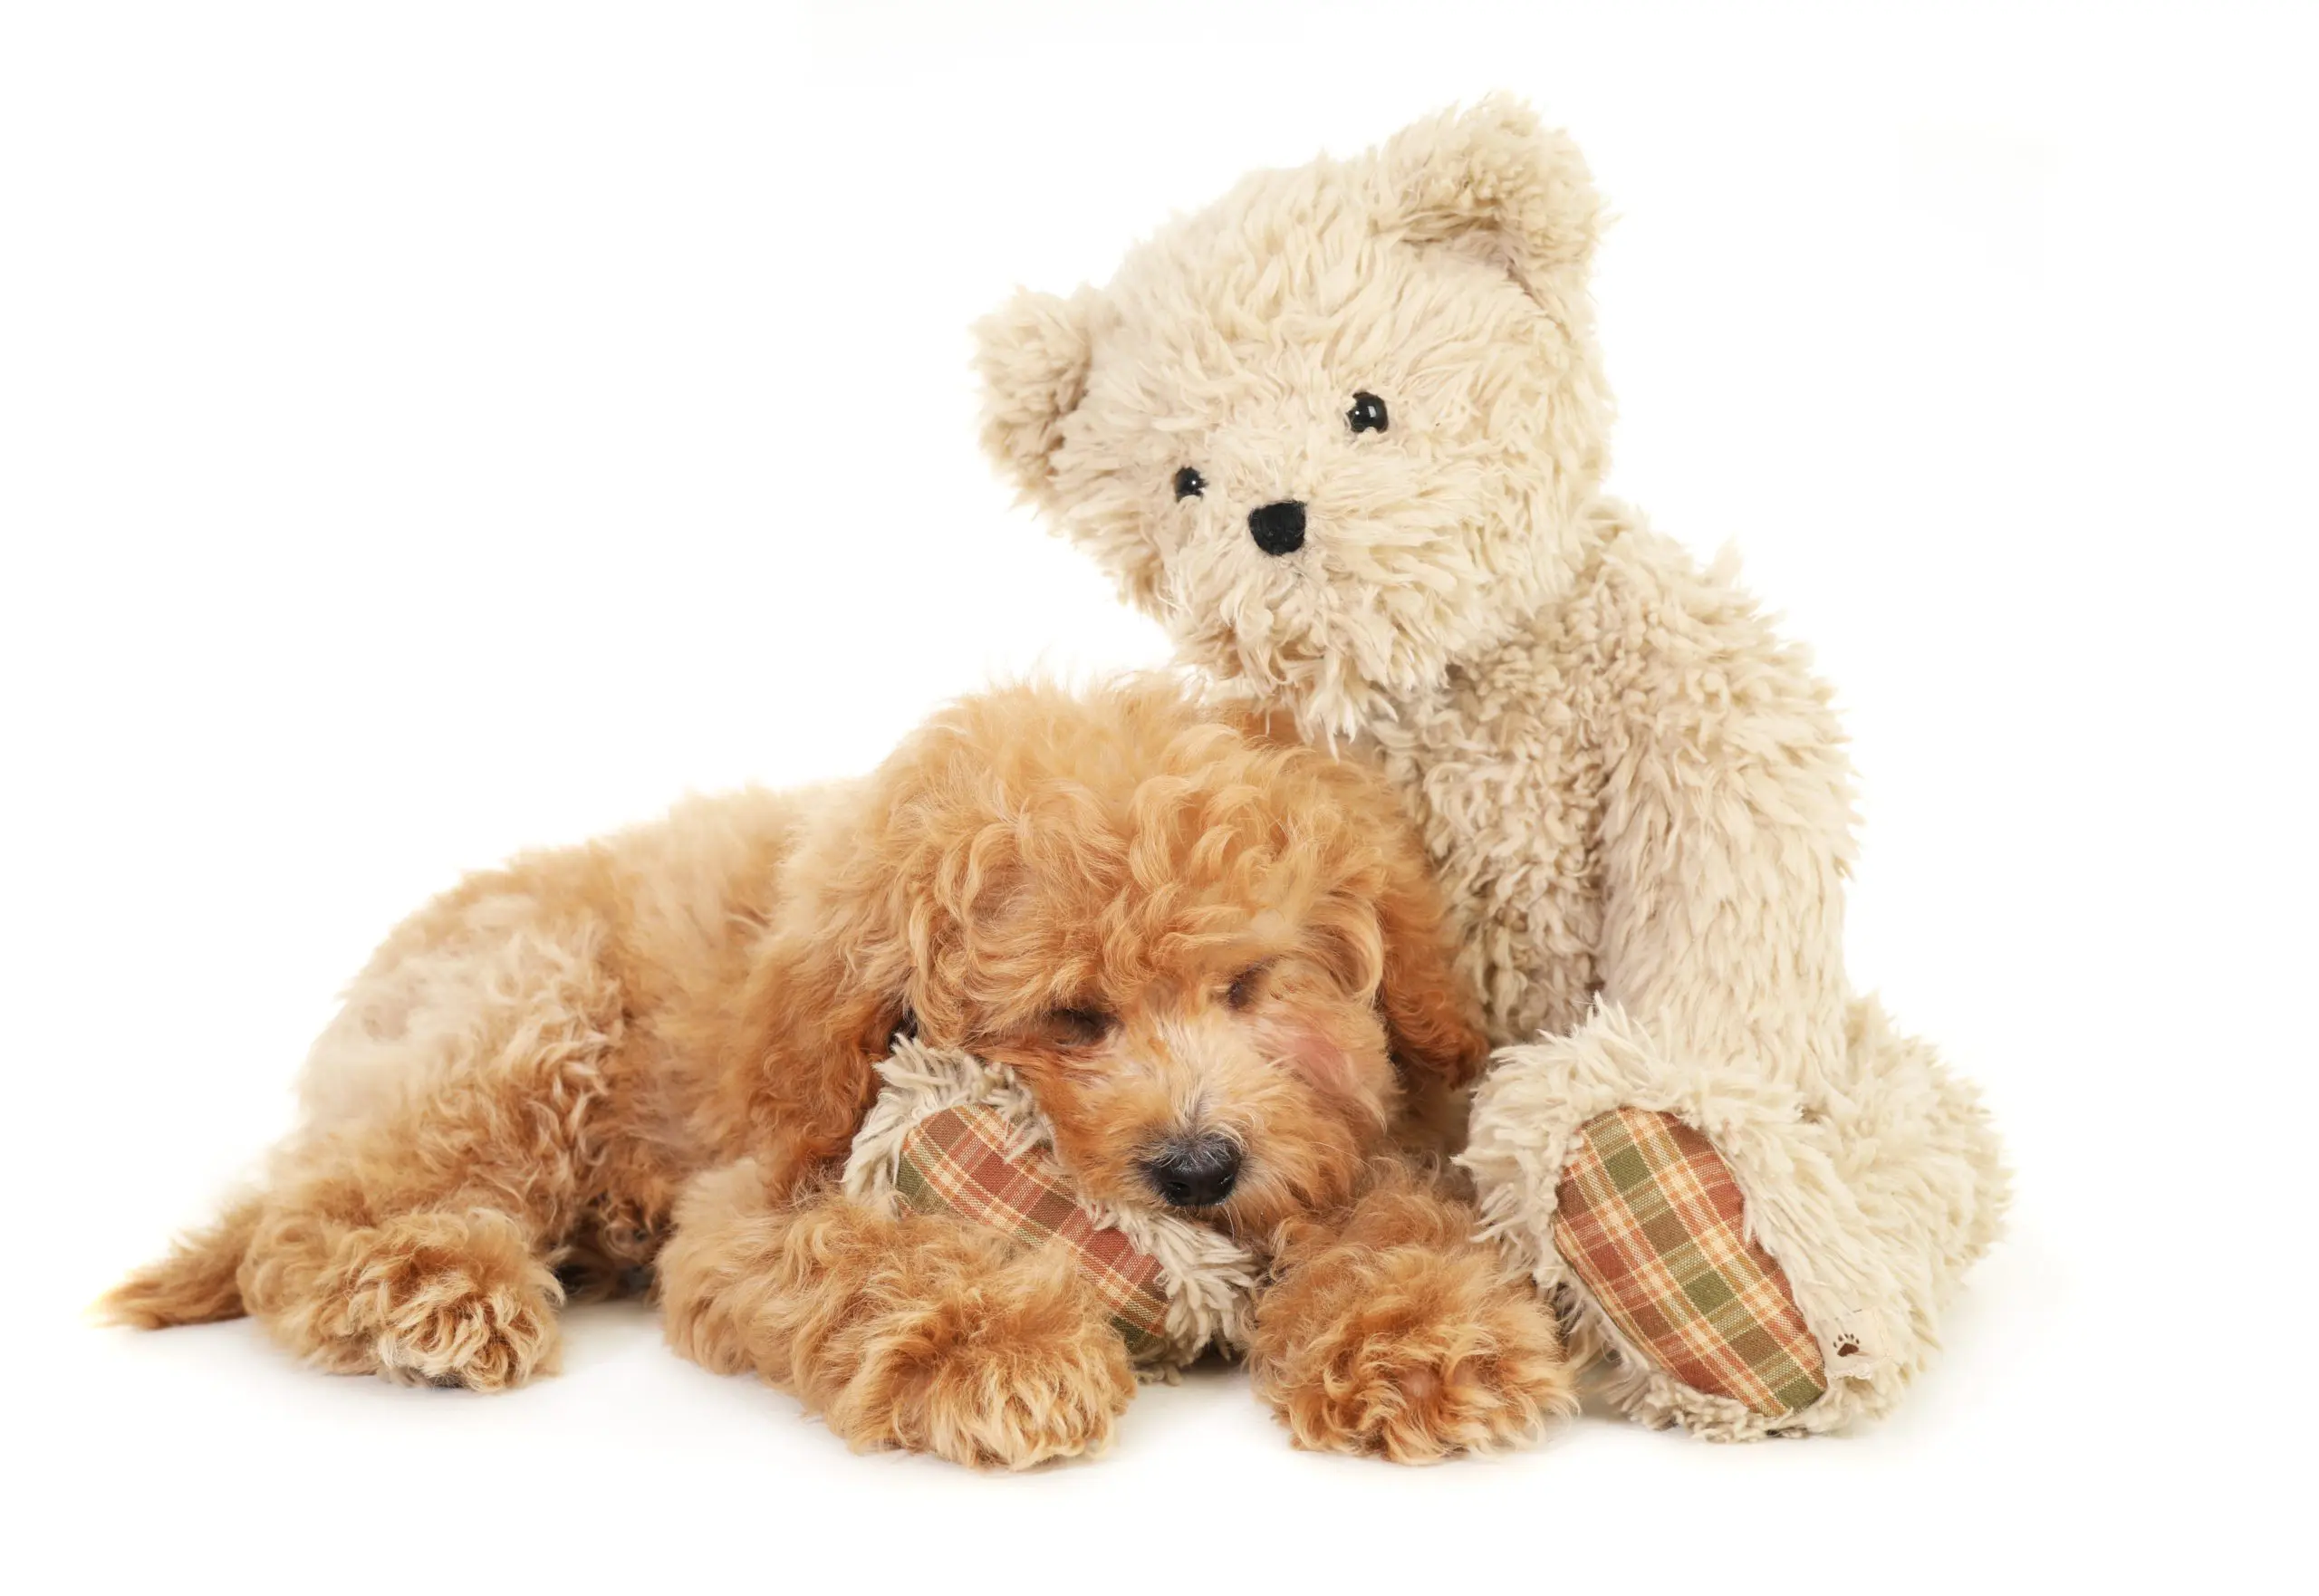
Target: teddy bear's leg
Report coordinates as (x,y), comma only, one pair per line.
(1389,1331)
(1695,1171)
(1916,1150)
(910,1331)
(1616,1175)
(1752,1259)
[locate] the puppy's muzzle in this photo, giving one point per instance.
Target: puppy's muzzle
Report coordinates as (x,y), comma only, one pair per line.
(1194,1171)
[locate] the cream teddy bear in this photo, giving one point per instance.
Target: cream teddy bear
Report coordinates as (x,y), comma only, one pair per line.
(1344,434)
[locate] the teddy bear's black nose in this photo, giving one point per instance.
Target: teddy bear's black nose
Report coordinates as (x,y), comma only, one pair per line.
(1278,529)
(1194,1171)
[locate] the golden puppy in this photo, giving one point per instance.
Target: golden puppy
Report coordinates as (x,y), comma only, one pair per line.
(1219,964)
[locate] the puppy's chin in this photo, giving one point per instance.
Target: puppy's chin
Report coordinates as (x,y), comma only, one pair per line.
(1252,1216)
(1275,1194)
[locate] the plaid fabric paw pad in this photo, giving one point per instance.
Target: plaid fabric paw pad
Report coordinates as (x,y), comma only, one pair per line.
(1648,1215)
(970,1162)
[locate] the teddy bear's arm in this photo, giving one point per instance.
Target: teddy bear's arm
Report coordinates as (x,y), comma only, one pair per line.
(1725,819)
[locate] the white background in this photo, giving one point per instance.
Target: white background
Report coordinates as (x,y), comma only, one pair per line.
(426,431)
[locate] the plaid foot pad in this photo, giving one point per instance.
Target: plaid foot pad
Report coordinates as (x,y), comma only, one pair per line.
(1649,1216)
(968,1161)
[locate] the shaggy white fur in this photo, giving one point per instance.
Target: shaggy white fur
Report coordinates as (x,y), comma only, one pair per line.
(1636,793)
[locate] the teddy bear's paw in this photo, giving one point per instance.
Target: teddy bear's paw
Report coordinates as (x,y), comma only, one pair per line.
(1007,1373)
(1415,1356)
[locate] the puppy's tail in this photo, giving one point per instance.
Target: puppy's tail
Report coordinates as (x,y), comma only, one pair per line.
(196,1282)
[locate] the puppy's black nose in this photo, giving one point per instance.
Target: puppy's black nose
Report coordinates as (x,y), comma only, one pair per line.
(1194,1171)
(1278,529)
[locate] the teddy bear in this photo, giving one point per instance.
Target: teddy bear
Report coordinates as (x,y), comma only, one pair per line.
(1344,434)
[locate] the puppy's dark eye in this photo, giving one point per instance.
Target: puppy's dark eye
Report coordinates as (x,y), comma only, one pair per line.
(1368,413)
(1191,483)
(1079,1026)
(1245,987)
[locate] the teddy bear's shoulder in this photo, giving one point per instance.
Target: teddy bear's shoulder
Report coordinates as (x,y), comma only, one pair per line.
(1640,594)
(1643,627)
(1652,638)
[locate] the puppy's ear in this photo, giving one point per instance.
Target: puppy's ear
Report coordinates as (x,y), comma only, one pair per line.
(1432,1015)
(1432,1019)
(1033,353)
(824,997)
(1492,183)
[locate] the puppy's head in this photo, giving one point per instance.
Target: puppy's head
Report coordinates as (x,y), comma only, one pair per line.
(1220,965)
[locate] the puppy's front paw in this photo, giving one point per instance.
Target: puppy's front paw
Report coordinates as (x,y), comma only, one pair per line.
(1019,1368)
(1410,1354)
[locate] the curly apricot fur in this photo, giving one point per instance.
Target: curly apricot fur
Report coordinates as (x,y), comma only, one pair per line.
(667,1038)
(900,1331)
(1389,1331)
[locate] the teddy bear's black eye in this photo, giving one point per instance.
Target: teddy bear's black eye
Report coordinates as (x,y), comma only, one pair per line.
(1367,415)
(1189,484)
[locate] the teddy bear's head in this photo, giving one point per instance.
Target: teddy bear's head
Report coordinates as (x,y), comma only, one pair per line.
(1336,431)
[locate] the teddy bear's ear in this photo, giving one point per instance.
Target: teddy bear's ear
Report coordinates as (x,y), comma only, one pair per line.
(1491,181)
(1033,354)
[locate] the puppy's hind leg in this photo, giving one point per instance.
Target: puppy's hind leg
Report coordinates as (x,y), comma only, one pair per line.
(461,1108)
(909,1331)
(422,1296)
(428,1295)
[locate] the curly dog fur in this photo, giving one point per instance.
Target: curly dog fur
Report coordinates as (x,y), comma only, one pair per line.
(651,1051)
